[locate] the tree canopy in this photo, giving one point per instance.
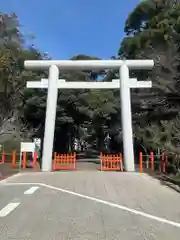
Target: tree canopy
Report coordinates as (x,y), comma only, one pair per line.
(152,31)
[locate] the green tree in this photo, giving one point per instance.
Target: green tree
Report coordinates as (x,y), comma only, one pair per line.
(13,76)
(152,30)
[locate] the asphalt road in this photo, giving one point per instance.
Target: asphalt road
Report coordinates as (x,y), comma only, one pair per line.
(87,205)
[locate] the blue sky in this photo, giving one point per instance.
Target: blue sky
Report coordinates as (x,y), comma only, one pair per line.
(65,28)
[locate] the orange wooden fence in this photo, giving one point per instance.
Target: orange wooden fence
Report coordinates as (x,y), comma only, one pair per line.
(151,159)
(111,162)
(64,161)
(14,159)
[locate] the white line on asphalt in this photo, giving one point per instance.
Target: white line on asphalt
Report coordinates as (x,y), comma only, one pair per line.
(136,212)
(8,209)
(31,190)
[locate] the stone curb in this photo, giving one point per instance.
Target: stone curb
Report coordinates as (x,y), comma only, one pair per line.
(168,181)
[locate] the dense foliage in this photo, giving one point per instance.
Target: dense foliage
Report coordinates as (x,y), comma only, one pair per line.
(152,31)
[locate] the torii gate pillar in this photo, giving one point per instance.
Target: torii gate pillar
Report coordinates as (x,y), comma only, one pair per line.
(50,120)
(126,118)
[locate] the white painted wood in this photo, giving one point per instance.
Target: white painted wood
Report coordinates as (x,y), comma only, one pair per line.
(88,64)
(27,146)
(89,85)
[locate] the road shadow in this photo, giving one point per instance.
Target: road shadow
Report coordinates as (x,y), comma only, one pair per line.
(6,170)
(164,179)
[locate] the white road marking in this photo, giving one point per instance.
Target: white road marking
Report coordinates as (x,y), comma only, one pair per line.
(136,212)
(8,209)
(31,190)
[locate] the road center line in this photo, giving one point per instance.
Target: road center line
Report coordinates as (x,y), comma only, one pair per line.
(31,190)
(124,208)
(8,209)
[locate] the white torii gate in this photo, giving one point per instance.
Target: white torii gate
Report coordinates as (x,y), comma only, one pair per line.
(124,83)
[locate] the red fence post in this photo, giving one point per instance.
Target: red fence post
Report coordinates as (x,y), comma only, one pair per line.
(163,163)
(101,161)
(74,158)
(152,161)
(13,159)
(35,160)
(24,160)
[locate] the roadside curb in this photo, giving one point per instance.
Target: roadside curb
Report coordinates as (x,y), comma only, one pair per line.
(171,185)
(168,181)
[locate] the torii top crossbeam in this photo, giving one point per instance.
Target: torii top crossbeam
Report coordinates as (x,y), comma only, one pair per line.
(89,64)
